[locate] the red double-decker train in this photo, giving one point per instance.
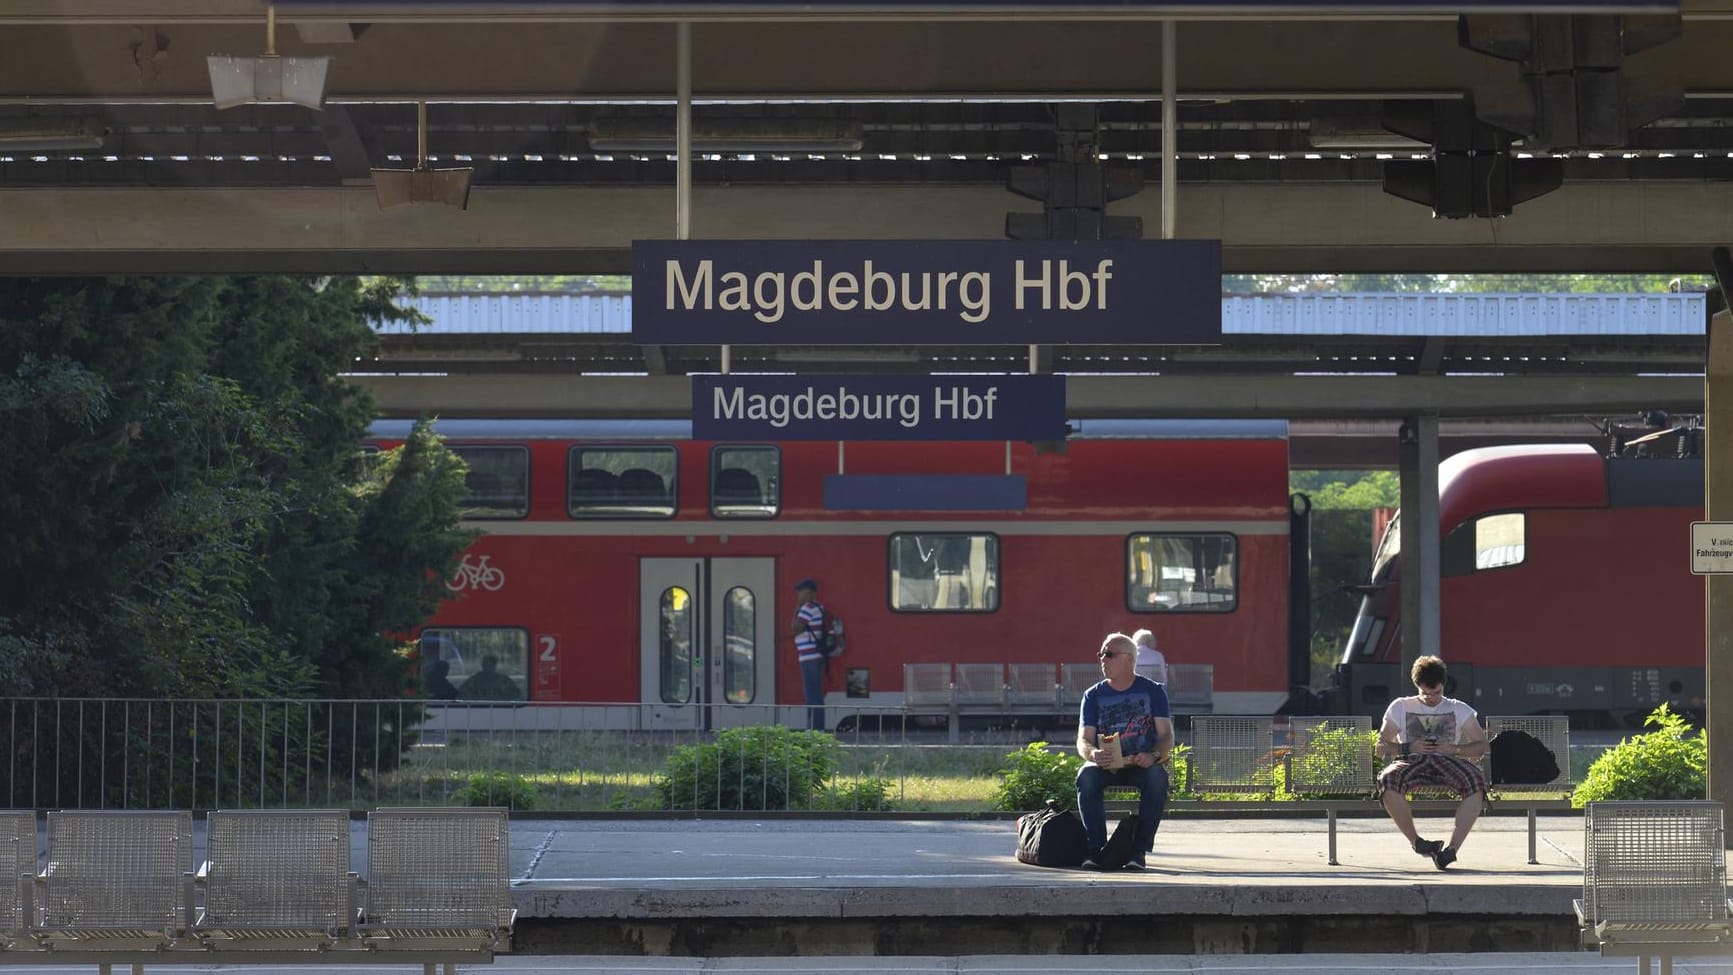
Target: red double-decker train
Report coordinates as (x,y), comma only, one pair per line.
(625,563)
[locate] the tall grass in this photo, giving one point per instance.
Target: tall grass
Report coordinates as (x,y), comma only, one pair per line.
(606,771)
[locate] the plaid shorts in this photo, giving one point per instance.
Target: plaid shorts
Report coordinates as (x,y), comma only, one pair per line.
(1459,775)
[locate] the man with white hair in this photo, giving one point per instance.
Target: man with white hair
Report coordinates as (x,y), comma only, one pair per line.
(1150,662)
(1134,710)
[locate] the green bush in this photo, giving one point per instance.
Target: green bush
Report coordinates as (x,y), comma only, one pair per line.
(497,789)
(861,795)
(1034,774)
(750,768)
(1670,762)
(1179,774)
(1329,755)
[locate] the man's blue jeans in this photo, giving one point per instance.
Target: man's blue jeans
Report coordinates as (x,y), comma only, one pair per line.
(1093,781)
(812,686)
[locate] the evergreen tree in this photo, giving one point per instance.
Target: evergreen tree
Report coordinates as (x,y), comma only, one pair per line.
(182,512)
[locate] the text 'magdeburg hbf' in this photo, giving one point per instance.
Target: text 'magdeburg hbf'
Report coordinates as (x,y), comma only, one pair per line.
(770,296)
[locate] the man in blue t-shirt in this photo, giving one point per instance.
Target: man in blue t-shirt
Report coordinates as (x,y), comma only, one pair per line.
(1135,708)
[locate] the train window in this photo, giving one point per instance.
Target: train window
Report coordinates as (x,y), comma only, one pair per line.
(498,482)
(944,573)
(674,650)
(622,482)
(739,646)
(1182,573)
(745,482)
(1487,542)
(482,663)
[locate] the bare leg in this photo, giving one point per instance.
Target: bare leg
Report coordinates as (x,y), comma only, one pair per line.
(1402,814)
(1466,813)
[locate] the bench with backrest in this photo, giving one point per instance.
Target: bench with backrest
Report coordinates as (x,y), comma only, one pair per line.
(275,887)
(18,854)
(957,690)
(1655,881)
(1327,761)
(438,880)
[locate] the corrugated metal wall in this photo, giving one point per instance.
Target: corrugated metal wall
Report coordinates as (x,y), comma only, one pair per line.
(1303,314)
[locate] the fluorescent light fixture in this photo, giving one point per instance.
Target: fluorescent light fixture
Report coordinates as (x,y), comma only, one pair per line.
(267,78)
(847,355)
(730,135)
(423,184)
(1357,133)
(401,187)
(50,135)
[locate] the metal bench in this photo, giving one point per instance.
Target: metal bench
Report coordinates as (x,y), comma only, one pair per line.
(438,884)
(1232,754)
(1191,688)
(276,879)
(18,853)
(1324,762)
(1655,881)
(1319,762)
(275,888)
(953,690)
(115,889)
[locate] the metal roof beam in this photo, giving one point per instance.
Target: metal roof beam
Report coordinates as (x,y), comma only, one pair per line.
(515,230)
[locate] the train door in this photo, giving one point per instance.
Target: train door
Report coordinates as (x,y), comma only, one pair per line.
(707,642)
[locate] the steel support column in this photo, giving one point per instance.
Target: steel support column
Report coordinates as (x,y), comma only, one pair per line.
(1418,467)
(1718,506)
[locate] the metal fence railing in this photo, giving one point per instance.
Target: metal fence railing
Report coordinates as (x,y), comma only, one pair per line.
(72,753)
(89,753)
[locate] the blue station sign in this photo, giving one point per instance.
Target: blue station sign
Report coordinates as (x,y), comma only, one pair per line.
(878,407)
(907,292)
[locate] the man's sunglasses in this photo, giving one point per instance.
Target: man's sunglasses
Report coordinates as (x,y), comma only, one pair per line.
(1104,654)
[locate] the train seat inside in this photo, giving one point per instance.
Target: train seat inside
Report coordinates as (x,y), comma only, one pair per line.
(593,486)
(640,486)
(737,486)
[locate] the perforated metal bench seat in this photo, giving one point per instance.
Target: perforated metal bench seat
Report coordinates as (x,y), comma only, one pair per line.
(438,879)
(276,879)
(1655,881)
(276,889)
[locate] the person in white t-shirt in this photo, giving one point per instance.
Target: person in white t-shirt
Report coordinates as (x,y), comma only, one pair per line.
(1437,741)
(1150,662)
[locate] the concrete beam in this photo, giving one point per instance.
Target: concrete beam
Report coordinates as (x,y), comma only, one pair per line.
(1290,397)
(1265,227)
(450,50)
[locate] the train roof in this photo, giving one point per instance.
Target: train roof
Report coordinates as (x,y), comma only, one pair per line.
(1517,477)
(646,429)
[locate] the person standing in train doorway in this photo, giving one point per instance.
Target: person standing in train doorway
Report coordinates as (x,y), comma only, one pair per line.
(1437,741)
(807,624)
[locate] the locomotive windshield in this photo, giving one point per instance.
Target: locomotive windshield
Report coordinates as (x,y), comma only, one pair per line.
(1389,547)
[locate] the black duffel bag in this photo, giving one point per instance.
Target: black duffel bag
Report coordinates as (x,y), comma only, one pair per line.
(1052,837)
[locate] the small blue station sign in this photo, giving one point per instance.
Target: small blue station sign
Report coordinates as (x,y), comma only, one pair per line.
(878,407)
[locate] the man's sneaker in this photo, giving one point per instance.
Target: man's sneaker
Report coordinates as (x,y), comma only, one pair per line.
(1428,848)
(1444,858)
(1136,863)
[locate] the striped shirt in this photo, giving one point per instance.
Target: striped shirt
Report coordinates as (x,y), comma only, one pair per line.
(806,641)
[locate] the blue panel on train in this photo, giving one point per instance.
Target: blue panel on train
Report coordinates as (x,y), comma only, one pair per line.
(926,492)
